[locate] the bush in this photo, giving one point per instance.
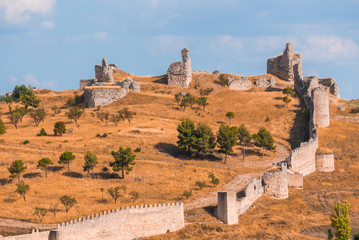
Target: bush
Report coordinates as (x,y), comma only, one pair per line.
(2,127)
(101,136)
(59,128)
(42,132)
(137,149)
(26,142)
(205,91)
(187,194)
(222,80)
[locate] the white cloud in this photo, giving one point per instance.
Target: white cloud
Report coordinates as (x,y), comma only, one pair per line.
(31,79)
(18,11)
(99,36)
(165,44)
(329,48)
(48,25)
(226,43)
(12,80)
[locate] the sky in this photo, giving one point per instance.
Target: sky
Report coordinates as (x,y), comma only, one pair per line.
(55,43)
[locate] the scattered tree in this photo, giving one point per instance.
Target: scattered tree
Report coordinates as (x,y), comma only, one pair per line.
(178,98)
(74,113)
(244,137)
(200,184)
(187,194)
(14,118)
(114,193)
(22,189)
(190,99)
(185,132)
(226,139)
(229,115)
(264,140)
(66,158)
(205,91)
(40,212)
(202,102)
(127,114)
(38,115)
(185,101)
(68,202)
(116,118)
(16,168)
(134,195)
(29,99)
(222,80)
(90,162)
(22,89)
(59,128)
(22,112)
(2,127)
(124,188)
(286,100)
(9,101)
(288,91)
(202,140)
(55,110)
(340,221)
(44,163)
(124,160)
(215,181)
(103,116)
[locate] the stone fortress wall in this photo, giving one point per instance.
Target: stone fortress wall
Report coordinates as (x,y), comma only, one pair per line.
(129,223)
(180,73)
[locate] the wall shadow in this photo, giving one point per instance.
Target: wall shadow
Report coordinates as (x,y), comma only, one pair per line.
(55,168)
(162,80)
(31,175)
(300,129)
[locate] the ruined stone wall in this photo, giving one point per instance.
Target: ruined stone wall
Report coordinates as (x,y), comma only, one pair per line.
(325,162)
(276,183)
(226,209)
(102,96)
(239,83)
(180,73)
(252,192)
(287,66)
(332,84)
(295,179)
(321,106)
(104,72)
(129,223)
(263,83)
(86,82)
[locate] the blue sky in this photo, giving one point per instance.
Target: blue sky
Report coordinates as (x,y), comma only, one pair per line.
(55,43)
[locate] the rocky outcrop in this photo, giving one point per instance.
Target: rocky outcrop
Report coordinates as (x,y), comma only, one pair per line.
(104,72)
(180,73)
(287,66)
(263,83)
(239,83)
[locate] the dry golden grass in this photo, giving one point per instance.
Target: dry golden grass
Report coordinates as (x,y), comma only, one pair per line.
(165,172)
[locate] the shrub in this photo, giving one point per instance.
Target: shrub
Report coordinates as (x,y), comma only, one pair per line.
(26,142)
(200,184)
(137,149)
(101,136)
(134,195)
(42,132)
(59,128)
(187,194)
(222,80)
(205,91)
(114,193)
(354,110)
(2,127)
(340,221)
(68,202)
(22,189)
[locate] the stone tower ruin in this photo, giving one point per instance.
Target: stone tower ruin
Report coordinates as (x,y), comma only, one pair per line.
(321,106)
(287,66)
(180,73)
(104,72)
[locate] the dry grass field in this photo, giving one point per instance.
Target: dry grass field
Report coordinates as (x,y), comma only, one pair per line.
(164,171)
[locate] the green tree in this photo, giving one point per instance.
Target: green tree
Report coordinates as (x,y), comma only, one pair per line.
(185,101)
(38,116)
(116,118)
(286,100)
(340,221)
(22,89)
(202,102)
(74,113)
(2,127)
(134,195)
(16,168)
(42,132)
(202,141)
(215,181)
(90,162)
(22,112)
(22,189)
(200,184)
(14,118)
(66,158)
(44,163)
(68,202)
(244,137)
(185,132)
(124,188)
(187,194)
(264,140)
(29,99)
(103,116)
(40,212)
(223,80)
(226,139)
(229,115)
(9,101)
(59,128)
(127,114)
(124,160)
(190,99)
(114,193)
(178,99)
(288,91)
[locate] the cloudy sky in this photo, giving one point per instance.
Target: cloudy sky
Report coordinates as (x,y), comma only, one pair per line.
(54,43)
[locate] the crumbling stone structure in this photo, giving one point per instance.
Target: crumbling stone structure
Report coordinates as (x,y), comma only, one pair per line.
(287,66)
(276,183)
(295,179)
(263,83)
(180,73)
(129,223)
(332,84)
(104,72)
(321,106)
(239,83)
(325,162)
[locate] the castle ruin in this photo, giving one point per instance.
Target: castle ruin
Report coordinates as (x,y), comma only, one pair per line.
(180,73)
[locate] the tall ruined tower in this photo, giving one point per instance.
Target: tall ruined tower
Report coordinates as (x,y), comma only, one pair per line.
(321,106)
(180,73)
(104,72)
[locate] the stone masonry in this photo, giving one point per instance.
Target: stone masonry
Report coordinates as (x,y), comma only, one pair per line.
(287,66)
(276,183)
(263,83)
(104,72)
(180,73)
(321,106)
(325,162)
(239,83)
(332,84)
